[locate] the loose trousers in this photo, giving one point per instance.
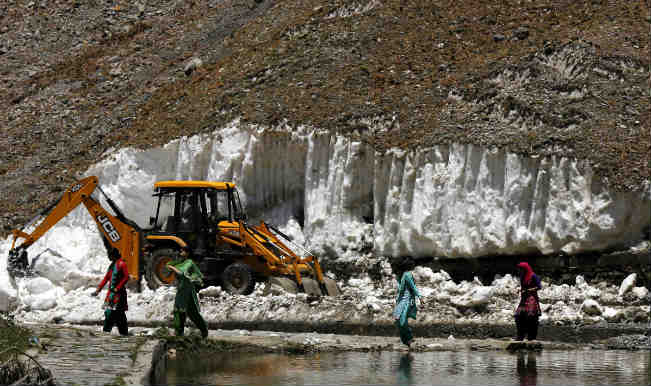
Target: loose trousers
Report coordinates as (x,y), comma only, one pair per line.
(116,318)
(195,316)
(527,325)
(406,334)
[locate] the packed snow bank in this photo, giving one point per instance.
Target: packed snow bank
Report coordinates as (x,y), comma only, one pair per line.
(346,203)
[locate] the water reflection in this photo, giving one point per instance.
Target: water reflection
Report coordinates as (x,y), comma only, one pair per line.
(526,368)
(404,370)
(544,368)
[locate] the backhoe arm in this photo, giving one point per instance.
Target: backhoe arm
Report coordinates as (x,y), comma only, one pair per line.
(70,199)
(119,233)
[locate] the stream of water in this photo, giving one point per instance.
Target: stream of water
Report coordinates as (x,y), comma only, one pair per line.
(582,367)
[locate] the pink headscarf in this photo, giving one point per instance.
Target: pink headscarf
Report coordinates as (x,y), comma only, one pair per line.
(528,272)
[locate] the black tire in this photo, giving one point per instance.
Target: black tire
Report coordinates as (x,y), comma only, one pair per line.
(237,279)
(156,273)
(331,287)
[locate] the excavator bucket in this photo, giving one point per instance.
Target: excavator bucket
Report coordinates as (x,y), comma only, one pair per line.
(285,249)
(331,286)
(17,263)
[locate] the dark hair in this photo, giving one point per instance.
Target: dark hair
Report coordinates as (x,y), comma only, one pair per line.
(408,263)
(402,264)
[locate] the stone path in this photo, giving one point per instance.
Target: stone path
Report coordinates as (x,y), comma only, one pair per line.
(88,356)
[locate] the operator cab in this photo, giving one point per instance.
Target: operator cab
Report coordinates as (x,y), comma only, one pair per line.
(195,211)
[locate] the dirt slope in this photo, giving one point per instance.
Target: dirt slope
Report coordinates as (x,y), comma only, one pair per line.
(536,77)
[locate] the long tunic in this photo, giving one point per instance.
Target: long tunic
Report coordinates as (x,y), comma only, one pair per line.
(116,296)
(529,303)
(406,298)
(186,293)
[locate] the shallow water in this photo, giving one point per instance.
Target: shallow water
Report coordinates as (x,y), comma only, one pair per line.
(584,367)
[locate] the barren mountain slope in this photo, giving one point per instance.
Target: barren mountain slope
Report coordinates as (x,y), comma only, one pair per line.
(539,78)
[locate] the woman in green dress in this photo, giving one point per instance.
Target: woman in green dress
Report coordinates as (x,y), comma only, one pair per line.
(406,300)
(186,303)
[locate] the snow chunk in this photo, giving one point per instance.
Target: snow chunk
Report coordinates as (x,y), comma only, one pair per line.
(627,284)
(39,293)
(38,285)
(425,275)
(640,292)
(506,285)
(78,279)
(611,314)
(373,304)
(53,266)
(591,307)
(477,296)
(360,282)
(211,291)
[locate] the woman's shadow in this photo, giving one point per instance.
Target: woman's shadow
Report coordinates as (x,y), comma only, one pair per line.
(404,370)
(527,369)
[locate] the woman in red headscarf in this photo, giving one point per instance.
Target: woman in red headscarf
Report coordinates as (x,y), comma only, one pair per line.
(528,311)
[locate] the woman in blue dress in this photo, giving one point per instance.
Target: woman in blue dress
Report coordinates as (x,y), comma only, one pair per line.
(406,306)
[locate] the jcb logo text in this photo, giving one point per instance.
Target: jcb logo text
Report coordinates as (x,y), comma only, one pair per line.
(109,228)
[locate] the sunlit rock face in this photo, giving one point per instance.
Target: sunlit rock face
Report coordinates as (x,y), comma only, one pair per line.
(344,199)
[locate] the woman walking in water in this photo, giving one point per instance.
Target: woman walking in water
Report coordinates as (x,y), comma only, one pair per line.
(528,311)
(406,300)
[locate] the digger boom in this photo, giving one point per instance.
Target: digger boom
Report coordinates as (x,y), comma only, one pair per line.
(119,233)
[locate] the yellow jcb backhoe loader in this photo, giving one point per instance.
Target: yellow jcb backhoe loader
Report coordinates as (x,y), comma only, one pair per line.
(200,219)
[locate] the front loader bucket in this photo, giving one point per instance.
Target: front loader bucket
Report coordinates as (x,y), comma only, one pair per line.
(311,286)
(17,263)
(331,287)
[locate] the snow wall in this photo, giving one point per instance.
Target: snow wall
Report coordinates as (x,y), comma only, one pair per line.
(341,197)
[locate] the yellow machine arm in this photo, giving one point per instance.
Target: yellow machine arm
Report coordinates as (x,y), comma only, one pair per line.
(280,259)
(121,234)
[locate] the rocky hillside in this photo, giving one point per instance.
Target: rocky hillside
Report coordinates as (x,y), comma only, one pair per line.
(79,78)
